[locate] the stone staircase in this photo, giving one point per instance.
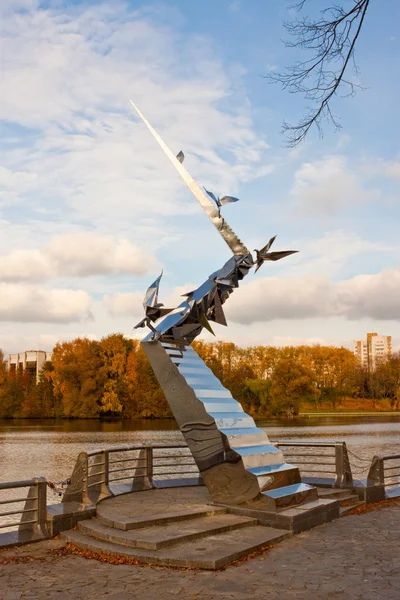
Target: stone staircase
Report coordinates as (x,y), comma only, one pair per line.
(347,499)
(182,528)
(206,537)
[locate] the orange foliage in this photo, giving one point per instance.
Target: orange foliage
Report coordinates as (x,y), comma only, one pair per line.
(112,377)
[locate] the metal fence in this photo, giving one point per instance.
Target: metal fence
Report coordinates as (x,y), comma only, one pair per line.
(27,513)
(114,470)
(110,471)
(384,476)
(320,462)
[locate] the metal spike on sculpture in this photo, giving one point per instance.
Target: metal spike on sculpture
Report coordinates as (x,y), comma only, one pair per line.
(235,458)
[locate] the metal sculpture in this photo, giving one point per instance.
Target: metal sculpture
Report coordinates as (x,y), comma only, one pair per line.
(235,458)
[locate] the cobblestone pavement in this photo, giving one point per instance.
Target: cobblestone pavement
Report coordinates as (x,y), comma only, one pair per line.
(353,557)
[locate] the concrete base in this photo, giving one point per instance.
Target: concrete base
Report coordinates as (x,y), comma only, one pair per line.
(66,515)
(20,538)
(295,519)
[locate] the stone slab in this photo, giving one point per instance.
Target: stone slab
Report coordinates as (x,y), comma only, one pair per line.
(113,519)
(63,516)
(210,553)
(297,518)
(154,538)
(19,538)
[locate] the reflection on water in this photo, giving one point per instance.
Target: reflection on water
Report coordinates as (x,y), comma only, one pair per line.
(49,448)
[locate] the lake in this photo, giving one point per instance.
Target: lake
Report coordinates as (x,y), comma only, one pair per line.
(49,448)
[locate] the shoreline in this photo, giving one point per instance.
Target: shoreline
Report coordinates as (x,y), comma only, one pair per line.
(360,413)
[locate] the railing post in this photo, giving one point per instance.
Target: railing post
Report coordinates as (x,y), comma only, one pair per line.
(35,510)
(77,490)
(104,488)
(41,485)
(149,466)
(98,476)
(344,476)
(86,499)
(375,490)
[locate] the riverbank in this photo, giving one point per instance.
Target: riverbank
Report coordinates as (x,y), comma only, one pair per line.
(355,557)
(360,413)
(351,405)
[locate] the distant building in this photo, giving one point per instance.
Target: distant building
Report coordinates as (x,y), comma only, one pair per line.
(376,349)
(30,361)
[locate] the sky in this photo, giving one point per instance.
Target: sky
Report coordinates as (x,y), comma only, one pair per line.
(91,210)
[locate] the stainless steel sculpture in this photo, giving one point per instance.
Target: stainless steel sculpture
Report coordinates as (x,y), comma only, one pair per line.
(236,460)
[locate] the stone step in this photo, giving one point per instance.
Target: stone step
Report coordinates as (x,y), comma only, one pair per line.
(163,536)
(212,552)
(349,500)
(194,370)
(220,405)
(271,469)
(273,476)
(243,436)
(300,517)
(125,523)
(345,509)
(204,395)
(225,420)
(258,455)
(290,495)
(333,492)
(345,496)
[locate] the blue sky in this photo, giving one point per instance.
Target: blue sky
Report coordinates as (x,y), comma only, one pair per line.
(91,210)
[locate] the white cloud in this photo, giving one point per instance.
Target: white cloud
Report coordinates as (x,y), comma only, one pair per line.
(27,304)
(329,185)
(330,253)
(128,303)
(78,68)
(364,296)
(83,254)
(77,255)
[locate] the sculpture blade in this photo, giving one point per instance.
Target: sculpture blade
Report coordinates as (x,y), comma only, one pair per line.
(212,196)
(228,199)
(278,255)
(268,245)
(230,237)
(151,296)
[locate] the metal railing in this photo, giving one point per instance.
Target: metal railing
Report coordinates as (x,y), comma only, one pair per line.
(384,476)
(320,461)
(32,515)
(102,473)
(120,469)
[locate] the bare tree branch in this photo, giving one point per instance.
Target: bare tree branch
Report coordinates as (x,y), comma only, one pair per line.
(332,40)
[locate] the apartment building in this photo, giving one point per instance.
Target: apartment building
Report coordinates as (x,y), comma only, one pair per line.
(30,361)
(374,350)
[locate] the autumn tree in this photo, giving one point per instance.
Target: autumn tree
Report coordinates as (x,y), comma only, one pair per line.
(257,397)
(114,352)
(146,398)
(79,377)
(291,383)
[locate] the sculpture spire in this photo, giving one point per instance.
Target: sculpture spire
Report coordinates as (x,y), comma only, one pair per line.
(230,237)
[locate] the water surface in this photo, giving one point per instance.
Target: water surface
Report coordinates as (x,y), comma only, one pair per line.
(49,448)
